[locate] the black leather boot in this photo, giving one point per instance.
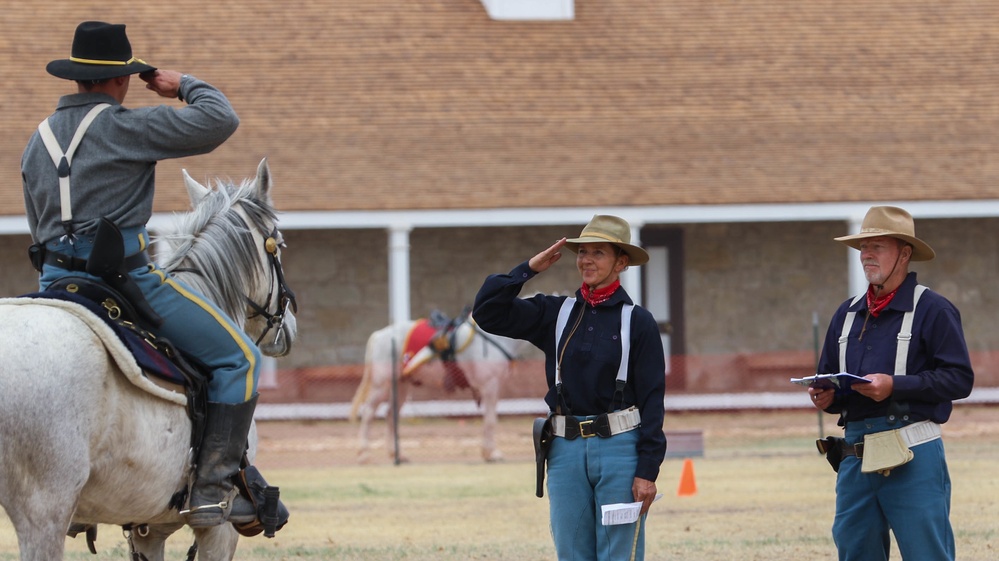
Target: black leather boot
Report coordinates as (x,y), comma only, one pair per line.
(214,497)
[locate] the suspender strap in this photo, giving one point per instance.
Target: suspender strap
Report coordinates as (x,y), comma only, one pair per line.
(563,321)
(845,335)
(560,325)
(62,160)
(905,334)
(622,369)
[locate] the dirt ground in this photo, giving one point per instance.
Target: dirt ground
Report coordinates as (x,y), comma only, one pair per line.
(347,511)
(309,444)
(305,444)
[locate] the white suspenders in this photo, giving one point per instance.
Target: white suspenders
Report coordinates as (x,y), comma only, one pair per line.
(562,322)
(844,337)
(904,334)
(617,421)
(62,160)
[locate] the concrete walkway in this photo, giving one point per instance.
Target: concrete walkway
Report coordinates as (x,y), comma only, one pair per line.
(468,408)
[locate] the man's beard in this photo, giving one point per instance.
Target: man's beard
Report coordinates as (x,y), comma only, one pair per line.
(875,277)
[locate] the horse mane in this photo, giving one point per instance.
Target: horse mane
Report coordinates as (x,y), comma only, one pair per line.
(213,248)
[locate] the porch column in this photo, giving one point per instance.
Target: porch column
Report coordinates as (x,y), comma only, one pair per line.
(631,278)
(398,273)
(857,281)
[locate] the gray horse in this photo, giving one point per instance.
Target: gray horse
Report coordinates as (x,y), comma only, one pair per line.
(85,438)
(484,359)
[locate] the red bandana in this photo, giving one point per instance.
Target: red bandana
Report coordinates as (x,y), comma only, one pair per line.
(874,306)
(599,295)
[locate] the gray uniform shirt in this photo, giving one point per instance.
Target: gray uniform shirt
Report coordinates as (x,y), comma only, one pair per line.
(113,169)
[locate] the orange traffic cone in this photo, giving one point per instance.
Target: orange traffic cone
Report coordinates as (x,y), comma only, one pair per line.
(688,486)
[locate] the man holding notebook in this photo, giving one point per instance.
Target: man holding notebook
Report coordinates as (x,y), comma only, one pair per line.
(907,341)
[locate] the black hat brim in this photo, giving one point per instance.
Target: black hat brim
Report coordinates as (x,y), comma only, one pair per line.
(70,70)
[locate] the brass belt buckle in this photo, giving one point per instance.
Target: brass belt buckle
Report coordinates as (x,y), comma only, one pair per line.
(584,426)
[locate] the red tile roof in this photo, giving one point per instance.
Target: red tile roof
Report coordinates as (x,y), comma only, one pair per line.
(415,105)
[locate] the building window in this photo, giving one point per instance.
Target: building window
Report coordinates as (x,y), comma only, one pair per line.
(530,10)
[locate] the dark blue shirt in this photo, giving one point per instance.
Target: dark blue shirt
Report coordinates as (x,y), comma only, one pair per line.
(590,360)
(938,369)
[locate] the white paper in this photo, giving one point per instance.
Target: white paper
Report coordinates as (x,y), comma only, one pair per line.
(622,513)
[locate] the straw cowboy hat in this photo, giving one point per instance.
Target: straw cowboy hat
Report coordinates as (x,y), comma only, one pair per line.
(100,51)
(892,222)
(613,230)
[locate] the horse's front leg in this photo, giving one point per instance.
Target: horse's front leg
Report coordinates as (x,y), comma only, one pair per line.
(150,540)
(217,543)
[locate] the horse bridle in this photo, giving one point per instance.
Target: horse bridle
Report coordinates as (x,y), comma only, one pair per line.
(283,296)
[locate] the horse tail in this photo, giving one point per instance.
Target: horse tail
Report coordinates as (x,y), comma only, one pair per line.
(361,395)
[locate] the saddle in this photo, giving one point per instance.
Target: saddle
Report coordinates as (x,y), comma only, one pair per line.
(442,339)
(156,356)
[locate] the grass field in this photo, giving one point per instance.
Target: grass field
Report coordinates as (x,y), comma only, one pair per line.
(762,494)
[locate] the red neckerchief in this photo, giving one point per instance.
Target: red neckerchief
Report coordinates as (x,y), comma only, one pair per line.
(874,306)
(599,295)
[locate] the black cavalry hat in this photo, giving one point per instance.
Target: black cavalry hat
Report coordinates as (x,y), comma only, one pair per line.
(100,51)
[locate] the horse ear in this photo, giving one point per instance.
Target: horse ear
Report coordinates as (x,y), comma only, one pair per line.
(263,182)
(195,190)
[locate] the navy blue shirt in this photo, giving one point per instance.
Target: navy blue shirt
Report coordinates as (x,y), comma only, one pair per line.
(938,369)
(591,359)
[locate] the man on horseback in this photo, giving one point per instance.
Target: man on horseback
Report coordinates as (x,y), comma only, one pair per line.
(112,152)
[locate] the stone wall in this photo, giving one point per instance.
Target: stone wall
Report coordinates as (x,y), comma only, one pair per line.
(753,293)
(756,290)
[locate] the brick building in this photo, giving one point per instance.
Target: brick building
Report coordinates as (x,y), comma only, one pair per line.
(738,138)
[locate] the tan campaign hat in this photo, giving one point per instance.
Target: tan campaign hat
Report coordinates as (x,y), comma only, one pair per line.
(893,222)
(613,230)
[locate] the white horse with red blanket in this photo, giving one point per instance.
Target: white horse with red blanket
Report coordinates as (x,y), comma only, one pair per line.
(480,362)
(85,437)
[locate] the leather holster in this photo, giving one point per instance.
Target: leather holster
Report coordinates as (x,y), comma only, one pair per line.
(542,442)
(833,447)
(107,261)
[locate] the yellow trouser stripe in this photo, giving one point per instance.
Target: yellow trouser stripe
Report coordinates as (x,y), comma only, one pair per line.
(236,336)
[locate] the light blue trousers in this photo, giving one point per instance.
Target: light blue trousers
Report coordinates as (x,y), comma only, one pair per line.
(189,321)
(584,474)
(913,502)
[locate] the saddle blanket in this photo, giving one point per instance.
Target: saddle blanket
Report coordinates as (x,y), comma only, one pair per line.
(421,347)
(119,342)
(417,339)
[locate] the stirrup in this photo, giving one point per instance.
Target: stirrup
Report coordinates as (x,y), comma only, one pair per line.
(221,506)
(224,506)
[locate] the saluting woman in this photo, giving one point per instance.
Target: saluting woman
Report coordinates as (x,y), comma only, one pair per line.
(605,368)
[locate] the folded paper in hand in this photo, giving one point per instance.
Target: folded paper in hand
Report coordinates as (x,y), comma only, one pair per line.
(842,380)
(622,513)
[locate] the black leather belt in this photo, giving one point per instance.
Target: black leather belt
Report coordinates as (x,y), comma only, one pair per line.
(598,426)
(70,263)
(826,444)
(853,449)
